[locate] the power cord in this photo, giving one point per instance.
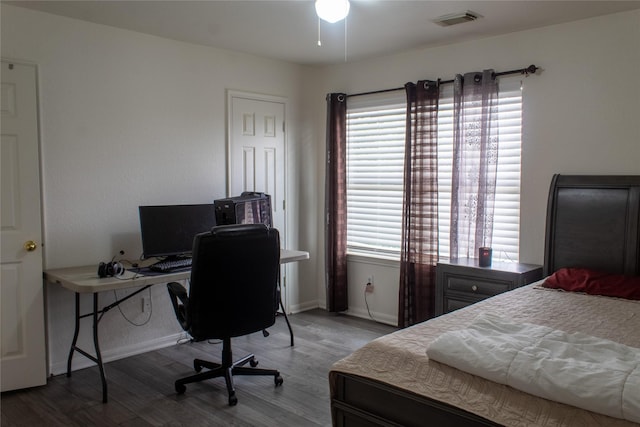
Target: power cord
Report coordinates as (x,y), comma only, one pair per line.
(134,277)
(507,256)
(367,302)
(131,321)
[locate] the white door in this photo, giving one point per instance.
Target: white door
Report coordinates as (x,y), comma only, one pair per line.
(257,153)
(23,358)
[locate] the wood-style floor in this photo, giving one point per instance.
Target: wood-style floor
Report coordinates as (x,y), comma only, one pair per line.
(141,390)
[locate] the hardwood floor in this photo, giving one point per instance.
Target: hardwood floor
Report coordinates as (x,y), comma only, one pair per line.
(141,390)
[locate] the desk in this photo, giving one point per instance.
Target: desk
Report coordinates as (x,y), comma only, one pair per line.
(85,280)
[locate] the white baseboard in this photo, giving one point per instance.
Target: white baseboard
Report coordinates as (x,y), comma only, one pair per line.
(375,316)
(81,362)
(297,308)
(355,312)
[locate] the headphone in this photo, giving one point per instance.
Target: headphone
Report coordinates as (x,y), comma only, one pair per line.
(113,268)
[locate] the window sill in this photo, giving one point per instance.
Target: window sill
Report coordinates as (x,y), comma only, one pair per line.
(376,259)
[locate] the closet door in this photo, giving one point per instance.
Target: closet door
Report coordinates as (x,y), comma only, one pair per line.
(256,148)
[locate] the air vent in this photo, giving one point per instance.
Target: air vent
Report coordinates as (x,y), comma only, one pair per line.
(456,18)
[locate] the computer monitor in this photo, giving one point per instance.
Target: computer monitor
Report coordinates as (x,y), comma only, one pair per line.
(168,231)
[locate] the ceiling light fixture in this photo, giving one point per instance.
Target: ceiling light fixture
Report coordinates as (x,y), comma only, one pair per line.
(332,10)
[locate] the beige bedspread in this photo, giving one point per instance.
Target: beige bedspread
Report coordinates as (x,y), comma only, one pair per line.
(399,359)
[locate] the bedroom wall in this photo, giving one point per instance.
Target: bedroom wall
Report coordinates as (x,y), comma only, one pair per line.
(129,119)
(580,117)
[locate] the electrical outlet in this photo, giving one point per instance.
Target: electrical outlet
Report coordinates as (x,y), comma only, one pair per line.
(146,304)
(369,286)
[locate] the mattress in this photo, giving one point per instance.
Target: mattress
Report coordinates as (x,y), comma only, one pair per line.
(399,359)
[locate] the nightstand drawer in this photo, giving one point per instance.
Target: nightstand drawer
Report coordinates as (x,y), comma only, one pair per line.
(454,304)
(475,286)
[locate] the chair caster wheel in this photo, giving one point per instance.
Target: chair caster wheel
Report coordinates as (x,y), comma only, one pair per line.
(278,380)
(253,363)
(197,366)
(180,388)
(233,400)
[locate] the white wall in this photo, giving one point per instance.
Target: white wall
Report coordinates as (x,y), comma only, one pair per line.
(581,116)
(129,119)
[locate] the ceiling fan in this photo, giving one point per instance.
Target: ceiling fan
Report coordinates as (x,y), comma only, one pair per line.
(332,11)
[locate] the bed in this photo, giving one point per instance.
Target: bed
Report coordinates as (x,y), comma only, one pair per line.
(592,222)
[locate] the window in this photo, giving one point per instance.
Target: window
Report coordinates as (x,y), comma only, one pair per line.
(375,159)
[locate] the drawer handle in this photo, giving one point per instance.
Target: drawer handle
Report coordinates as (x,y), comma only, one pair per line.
(474,288)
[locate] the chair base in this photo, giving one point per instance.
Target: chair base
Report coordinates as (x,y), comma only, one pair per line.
(226,369)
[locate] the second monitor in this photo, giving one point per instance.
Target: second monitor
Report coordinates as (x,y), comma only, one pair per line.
(248,208)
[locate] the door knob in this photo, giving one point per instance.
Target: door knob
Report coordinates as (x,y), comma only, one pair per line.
(30,245)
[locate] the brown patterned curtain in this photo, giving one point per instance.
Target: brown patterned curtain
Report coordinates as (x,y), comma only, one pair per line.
(475,161)
(336,203)
(419,244)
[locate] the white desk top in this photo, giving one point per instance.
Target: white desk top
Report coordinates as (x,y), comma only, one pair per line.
(85,279)
(287,256)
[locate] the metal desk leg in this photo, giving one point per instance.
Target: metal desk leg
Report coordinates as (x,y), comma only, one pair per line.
(97,347)
(96,315)
(284,313)
(75,335)
(74,347)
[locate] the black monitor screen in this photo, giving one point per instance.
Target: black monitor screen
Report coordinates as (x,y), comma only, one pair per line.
(169,230)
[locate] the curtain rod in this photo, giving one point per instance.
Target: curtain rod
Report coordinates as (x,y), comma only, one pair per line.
(531,69)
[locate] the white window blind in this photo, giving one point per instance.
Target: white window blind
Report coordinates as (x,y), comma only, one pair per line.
(375,159)
(375,164)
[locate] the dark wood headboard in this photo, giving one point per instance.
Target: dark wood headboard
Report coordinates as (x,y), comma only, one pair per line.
(593,222)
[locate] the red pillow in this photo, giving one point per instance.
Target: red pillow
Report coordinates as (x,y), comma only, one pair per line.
(595,283)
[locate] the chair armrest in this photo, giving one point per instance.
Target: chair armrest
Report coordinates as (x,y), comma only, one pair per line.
(178,292)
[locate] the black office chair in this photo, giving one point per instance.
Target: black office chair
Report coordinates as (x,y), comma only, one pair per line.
(233,292)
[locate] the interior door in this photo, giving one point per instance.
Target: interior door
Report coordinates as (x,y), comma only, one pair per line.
(22,353)
(257,153)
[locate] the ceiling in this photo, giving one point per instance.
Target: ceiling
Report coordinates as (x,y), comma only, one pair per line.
(288,30)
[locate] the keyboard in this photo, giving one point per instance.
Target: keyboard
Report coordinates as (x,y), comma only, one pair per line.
(169,265)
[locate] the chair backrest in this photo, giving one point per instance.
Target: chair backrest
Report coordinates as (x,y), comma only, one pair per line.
(234,281)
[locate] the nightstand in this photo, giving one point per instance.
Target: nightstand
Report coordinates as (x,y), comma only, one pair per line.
(461,282)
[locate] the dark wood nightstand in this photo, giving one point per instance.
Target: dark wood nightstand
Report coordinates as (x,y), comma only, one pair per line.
(462,282)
